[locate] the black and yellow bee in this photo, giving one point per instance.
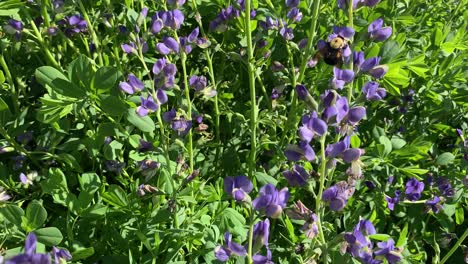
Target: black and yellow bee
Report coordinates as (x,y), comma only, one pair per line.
(332,51)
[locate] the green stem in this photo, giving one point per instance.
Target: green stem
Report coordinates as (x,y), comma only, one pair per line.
(251,229)
(452,250)
(45,47)
(254,109)
(183,59)
(350,64)
(44,13)
(318,209)
(10,81)
(93,33)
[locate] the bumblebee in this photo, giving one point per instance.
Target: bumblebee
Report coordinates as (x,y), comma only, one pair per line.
(332,51)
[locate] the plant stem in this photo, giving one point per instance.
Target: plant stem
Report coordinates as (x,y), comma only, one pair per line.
(350,64)
(452,250)
(93,33)
(183,59)
(45,47)
(318,209)
(10,81)
(250,245)
(253,110)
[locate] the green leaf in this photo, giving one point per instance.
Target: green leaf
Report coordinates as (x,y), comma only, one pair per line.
(459,215)
(36,215)
(232,220)
(380,237)
(59,83)
(89,182)
(398,143)
(2,77)
(80,72)
(114,106)
(264,178)
(82,253)
(389,50)
(115,196)
(105,79)
(113,150)
(49,236)
(445,158)
(387,145)
(12,213)
(403,236)
(3,106)
(145,124)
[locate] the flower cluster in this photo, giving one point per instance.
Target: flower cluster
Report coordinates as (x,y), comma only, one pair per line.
(30,255)
(359,245)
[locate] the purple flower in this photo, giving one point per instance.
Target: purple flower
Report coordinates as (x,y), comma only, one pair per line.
(238,187)
(338,195)
(260,259)
(181,126)
(164,74)
(78,21)
(298,176)
(445,187)
(132,85)
(358,60)
(312,126)
(373,92)
(341,77)
(370,63)
(358,243)
(129,48)
(198,82)
(377,32)
(60,255)
(276,66)
(145,146)
(344,32)
(261,232)
(379,72)
(13,26)
(30,255)
(170,115)
(29,178)
(286,32)
(223,253)
(294,14)
(147,106)
(4,196)
(413,189)
(172,19)
(391,202)
(297,152)
(269,23)
(271,201)
(292,3)
(336,149)
(434,205)
(387,249)
(114,166)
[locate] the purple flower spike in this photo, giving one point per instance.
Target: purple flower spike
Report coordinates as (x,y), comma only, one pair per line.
(372,91)
(387,249)
(60,255)
(391,202)
(30,255)
(414,189)
(261,233)
(378,32)
(223,253)
(198,82)
(294,14)
(338,195)
(298,176)
(147,106)
(238,187)
(271,201)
